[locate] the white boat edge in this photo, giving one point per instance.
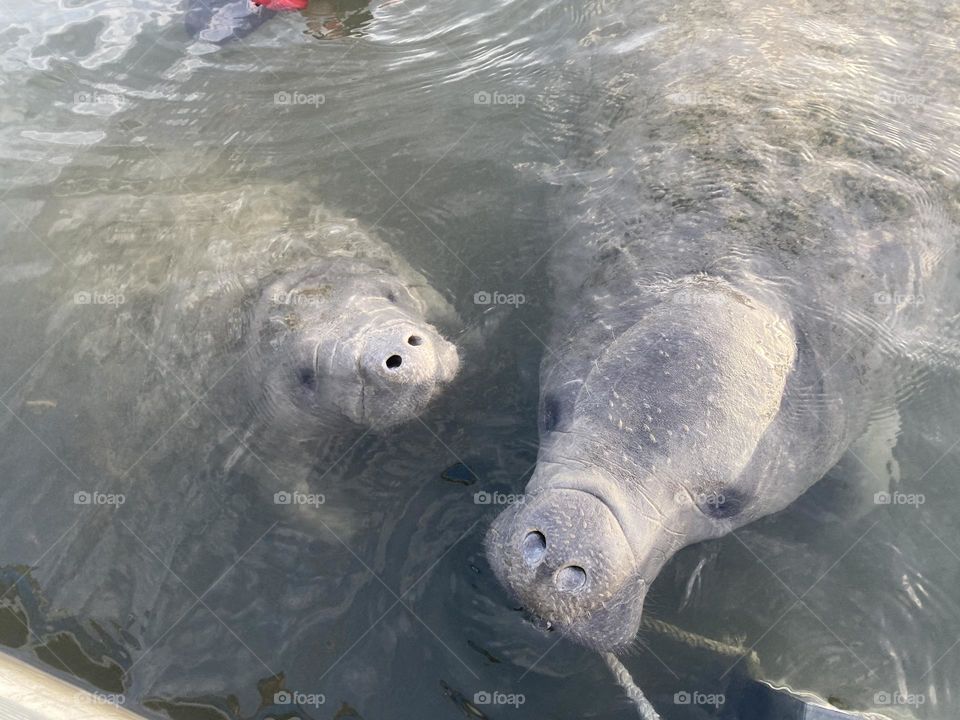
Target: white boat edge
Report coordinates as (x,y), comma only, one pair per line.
(27,693)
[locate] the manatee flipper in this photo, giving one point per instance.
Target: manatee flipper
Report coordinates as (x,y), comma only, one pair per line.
(864,474)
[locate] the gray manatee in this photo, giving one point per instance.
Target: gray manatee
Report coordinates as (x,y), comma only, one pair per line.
(326,324)
(753,234)
(216,334)
(198,358)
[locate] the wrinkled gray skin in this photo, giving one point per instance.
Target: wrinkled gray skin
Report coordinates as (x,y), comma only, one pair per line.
(719,341)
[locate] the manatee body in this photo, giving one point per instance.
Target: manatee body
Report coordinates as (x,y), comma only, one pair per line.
(746,244)
(204,356)
(211,357)
(327,327)
(198,338)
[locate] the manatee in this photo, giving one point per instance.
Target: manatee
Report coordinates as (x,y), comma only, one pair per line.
(287,325)
(328,327)
(204,356)
(752,233)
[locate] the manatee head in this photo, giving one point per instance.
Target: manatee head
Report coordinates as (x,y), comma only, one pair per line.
(353,340)
(647,453)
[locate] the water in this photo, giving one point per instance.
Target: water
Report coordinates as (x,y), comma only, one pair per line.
(438,126)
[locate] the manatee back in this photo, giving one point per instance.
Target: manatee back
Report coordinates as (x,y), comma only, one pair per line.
(729,137)
(771,147)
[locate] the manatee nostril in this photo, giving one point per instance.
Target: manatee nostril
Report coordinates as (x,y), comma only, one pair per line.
(534,547)
(393,362)
(571,578)
(415,340)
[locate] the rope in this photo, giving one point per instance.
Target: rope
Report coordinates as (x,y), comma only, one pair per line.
(721,648)
(624,679)
(630,688)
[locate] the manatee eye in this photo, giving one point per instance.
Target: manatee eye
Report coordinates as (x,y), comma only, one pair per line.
(307,376)
(391,296)
(552,413)
(721,504)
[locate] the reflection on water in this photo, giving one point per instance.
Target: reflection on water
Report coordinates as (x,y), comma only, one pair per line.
(338,19)
(440,128)
(223,21)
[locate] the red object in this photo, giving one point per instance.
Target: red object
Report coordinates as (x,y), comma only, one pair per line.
(282,4)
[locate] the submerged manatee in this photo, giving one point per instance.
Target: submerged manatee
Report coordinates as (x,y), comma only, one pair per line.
(328,327)
(752,237)
(285,323)
(209,354)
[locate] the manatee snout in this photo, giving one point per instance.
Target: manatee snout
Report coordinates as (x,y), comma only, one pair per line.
(407,353)
(403,365)
(564,556)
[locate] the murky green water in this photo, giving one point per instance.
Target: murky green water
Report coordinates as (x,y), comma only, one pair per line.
(442,127)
